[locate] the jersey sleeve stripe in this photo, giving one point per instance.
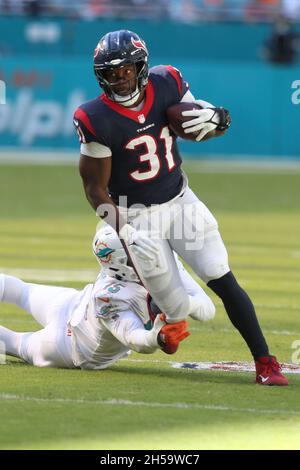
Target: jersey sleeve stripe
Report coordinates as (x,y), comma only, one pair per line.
(83,117)
(175,75)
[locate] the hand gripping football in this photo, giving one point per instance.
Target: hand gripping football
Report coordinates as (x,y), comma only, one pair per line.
(175,119)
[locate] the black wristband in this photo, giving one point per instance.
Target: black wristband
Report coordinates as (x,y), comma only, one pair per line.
(225,119)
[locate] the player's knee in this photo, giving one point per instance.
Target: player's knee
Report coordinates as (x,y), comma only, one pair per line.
(215,271)
(42,351)
(224,286)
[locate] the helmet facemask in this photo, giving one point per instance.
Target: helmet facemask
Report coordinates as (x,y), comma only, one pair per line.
(141,80)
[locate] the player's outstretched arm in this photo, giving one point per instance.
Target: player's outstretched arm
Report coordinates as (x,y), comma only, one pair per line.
(130,331)
(128,328)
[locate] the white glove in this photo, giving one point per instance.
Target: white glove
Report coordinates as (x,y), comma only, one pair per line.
(147,248)
(206,120)
(155,330)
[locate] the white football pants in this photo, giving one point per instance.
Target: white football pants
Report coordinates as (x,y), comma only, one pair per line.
(51,308)
(186,226)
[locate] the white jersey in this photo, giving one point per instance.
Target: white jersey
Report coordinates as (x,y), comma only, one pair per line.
(92,328)
(112,318)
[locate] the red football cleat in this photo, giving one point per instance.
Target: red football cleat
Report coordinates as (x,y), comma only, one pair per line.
(268,371)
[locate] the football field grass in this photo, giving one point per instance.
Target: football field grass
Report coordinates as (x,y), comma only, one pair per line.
(46,228)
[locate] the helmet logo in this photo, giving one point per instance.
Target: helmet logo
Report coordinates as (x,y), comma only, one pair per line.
(104,252)
(100,47)
(96,51)
(139,44)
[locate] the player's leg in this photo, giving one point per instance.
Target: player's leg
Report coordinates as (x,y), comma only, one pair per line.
(241,312)
(10,341)
(208,258)
(49,347)
(39,300)
(210,262)
(161,278)
(204,308)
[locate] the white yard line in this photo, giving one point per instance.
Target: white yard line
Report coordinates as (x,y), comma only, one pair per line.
(213,164)
(118,402)
(36,157)
(243,165)
(59,275)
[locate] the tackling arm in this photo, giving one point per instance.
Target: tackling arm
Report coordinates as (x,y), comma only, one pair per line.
(130,331)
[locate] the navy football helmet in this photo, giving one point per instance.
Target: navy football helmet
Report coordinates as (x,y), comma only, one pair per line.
(116,49)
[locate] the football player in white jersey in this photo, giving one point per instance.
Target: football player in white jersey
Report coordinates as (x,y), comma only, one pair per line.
(94,327)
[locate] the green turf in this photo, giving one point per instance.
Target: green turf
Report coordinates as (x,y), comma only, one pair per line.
(46,224)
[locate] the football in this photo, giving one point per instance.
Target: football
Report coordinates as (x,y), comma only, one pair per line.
(175,119)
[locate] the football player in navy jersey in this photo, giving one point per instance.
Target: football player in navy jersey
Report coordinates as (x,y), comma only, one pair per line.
(131,171)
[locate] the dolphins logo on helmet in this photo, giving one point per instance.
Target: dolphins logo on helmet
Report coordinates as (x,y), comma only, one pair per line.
(111,255)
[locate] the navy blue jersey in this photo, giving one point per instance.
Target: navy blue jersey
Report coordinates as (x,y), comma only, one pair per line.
(145,157)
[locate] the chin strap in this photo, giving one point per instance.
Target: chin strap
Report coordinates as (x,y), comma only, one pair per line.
(128,100)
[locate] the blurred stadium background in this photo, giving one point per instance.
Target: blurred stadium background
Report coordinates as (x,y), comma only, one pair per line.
(242,54)
(46,63)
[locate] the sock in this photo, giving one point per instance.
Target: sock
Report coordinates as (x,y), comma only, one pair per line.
(241,313)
